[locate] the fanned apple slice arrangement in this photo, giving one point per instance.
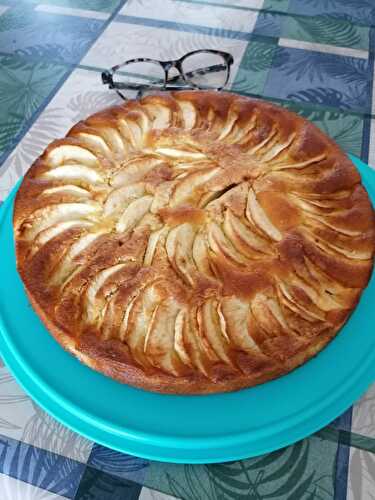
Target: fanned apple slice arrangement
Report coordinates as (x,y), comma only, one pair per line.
(194,242)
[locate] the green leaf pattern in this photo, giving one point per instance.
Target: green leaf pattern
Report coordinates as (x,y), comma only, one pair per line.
(326,29)
(23,88)
(15,18)
(292,473)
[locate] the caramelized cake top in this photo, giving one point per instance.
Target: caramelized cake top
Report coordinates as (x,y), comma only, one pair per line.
(194,242)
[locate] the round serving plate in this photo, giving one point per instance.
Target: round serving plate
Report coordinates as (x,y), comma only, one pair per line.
(190,429)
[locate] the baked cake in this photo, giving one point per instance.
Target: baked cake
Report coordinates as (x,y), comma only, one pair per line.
(194,242)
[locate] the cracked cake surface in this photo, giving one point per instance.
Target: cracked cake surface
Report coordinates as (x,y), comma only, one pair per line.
(194,242)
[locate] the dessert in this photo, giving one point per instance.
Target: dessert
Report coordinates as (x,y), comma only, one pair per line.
(194,242)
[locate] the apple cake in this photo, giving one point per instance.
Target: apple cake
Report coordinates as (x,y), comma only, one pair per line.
(193,242)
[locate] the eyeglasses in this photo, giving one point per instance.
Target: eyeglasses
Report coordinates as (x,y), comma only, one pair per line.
(200,69)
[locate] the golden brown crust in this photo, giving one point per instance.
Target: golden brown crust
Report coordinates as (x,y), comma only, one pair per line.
(194,242)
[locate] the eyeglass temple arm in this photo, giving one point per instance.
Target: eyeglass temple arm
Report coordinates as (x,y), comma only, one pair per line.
(200,71)
(108,79)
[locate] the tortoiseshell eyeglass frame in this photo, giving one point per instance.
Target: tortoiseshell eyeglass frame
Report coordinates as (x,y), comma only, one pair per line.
(167,84)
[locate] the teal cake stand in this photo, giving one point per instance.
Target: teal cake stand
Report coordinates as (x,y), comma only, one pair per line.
(193,429)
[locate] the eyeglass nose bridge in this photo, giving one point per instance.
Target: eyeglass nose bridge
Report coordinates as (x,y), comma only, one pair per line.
(172,64)
(107,78)
(168,65)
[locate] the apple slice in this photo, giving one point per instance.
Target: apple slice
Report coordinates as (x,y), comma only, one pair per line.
(201,256)
(179,246)
(140,319)
(222,246)
(290,302)
(94,306)
(49,215)
(97,142)
(162,196)
(193,344)
(213,332)
(189,114)
(125,320)
(134,171)
(51,232)
(222,322)
(121,197)
(115,140)
(316,293)
(256,214)
(279,147)
(68,263)
(243,239)
(176,153)
(152,244)
(133,214)
(263,143)
(300,165)
(67,190)
(159,347)
(63,153)
(330,292)
(132,132)
(179,342)
(75,172)
(329,221)
(184,190)
(236,313)
(161,116)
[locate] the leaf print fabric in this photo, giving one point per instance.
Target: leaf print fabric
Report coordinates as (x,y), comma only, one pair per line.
(285,474)
(349,76)
(24,86)
(46,470)
(326,29)
(314,57)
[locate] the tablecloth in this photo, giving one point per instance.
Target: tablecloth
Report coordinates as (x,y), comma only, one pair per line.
(315,57)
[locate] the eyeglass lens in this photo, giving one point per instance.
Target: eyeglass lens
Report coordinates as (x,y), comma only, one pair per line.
(206,70)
